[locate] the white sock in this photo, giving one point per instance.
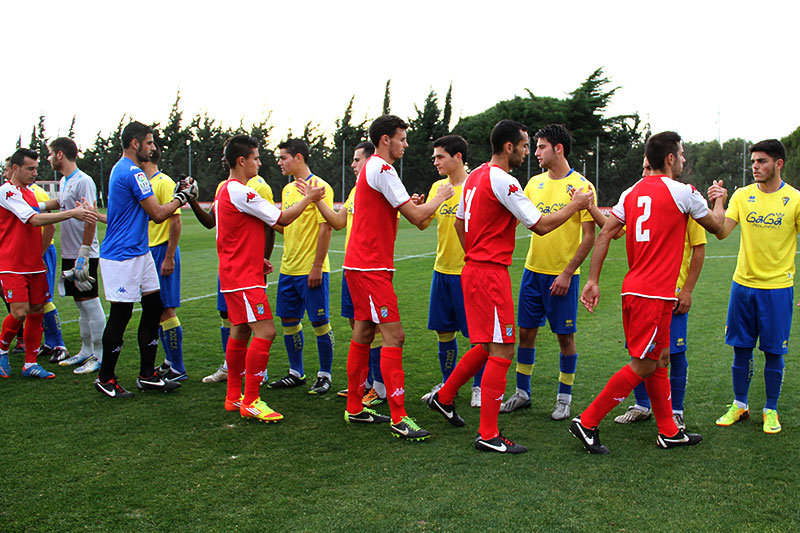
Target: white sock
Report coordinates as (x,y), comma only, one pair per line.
(225,366)
(83,322)
(97,323)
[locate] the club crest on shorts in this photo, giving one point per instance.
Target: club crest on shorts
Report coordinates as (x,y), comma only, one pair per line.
(10,294)
(384,312)
(260,309)
(509,330)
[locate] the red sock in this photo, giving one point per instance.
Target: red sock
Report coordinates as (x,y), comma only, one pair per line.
(616,390)
(255,363)
(33,336)
(469,365)
(493,386)
(357,363)
(235,356)
(10,328)
(395,380)
(659,392)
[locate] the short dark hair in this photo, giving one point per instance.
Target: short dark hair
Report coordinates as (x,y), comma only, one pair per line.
(506,130)
(239,146)
(66,146)
(135,130)
(294,147)
(659,146)
(18,157)
(556,134)
(772,147)
(385,125)
(155,156)
(367,146)
(453,144)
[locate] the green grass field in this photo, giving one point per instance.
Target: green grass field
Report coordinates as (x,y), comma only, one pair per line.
(71,459)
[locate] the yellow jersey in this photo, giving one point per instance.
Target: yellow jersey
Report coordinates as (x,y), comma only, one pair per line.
(449,253)
(695,236)
(551,253)
(258,184)
(41,196)
(300,238)
(348,206)
(163,189)
(769,223)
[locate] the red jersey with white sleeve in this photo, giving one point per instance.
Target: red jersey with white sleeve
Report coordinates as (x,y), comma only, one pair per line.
(21,248)
(656,210)
(492,201)
(379,195)
(241,214)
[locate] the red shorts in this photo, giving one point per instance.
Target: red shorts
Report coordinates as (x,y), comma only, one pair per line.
(646,322)
(373,295)
(248,305)
(488,303)
(31,288)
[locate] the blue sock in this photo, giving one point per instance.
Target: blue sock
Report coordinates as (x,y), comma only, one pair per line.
(567,364)
(51,323)
(678,371)
(742,371)
(164,341)
(375,364)
(448,353)
(171,334)
(526,358)
(773,378)
(225,333)
(476,381)
(325,344)
(293,339)
(640,393)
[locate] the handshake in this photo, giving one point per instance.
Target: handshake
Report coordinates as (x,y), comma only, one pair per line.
(185,190)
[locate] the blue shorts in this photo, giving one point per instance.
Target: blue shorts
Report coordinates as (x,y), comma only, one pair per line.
(765,314)
(222,305)
(536,306)
(50,263)
(677,333)
(170,285)
(446,309)
(295,298)
(348,311)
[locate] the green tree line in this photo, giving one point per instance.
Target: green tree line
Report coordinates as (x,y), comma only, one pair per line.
(608,150)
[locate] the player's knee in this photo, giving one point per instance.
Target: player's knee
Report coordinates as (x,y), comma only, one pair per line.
(152,307)
(167,313)
(527,337)
(321,328)
(290,327)
(20,312)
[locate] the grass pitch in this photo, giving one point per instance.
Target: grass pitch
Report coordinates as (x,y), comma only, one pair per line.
(71,459)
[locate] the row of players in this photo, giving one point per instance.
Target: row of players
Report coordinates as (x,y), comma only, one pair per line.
(549,288)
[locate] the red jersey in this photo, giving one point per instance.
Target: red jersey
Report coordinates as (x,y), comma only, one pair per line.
(656,210)
(21,243)
(491,203)
(241,214)
(379,194)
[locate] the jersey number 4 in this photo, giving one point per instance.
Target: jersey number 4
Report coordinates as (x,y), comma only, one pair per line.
(643,235)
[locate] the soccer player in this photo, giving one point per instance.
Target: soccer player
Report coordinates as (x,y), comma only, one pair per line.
(369,268)
(241,214)
(692,263)
(20,347)
(129,272)
(80,252)
(655,209)
(375,389)
(762,291)
(303,285)
(22,270)
(551,279)
(446,313)
(163,241)
(492,202)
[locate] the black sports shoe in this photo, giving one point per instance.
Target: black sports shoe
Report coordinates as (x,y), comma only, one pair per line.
(681,438)
(156,383)
(58,354)
(366,416)
(112,389)
(288,381)
(408,429)
(448,411)
(321,385)
(45,351)
(163,368)
(590,437)
(173,375)
(499,444)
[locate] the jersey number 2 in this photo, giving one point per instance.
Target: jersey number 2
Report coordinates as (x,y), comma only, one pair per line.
(643,235)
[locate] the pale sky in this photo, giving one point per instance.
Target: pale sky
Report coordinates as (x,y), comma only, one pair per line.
(700,68)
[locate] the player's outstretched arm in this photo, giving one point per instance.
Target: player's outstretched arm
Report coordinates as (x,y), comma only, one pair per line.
(590,296)
(715,221)
(560,285)
(580,200)
(80,212)
(312,195)
(417,214)
(206,218)
(336,219)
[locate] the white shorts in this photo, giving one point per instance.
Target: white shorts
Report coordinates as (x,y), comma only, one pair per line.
(126,281)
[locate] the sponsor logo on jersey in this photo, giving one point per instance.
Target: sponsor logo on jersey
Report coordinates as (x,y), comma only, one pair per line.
(545,209)
(386,167)
(448,210)
(512,188)
(9,194)
(384,312)
(250,196)
(751,199)
(541,186)
(768,220)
